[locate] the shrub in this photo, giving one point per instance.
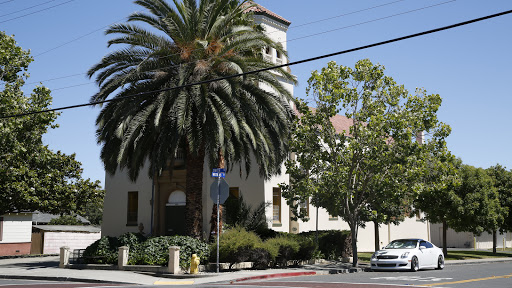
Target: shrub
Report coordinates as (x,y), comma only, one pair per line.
(260,258)
(104,251)
(331,243)
(236,245)
(155,251)
(307,248)
(282,249)
(151,251)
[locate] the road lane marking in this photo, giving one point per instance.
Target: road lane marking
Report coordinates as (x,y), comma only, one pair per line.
(173,283)
(411,278)
(469,280)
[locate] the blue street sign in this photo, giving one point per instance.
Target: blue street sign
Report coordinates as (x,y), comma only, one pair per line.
(218,172)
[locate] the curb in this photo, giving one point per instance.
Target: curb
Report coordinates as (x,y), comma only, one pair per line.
(288,274)
(476,262)
(66,279)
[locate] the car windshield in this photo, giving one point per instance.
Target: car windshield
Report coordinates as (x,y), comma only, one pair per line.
(402,244)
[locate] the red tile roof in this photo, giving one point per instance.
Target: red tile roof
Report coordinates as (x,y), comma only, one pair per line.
(339,122)
(260,10)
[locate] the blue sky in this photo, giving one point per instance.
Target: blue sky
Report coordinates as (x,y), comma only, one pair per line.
(468,66)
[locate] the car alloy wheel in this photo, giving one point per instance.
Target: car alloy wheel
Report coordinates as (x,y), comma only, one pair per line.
(414,264)
(440,262)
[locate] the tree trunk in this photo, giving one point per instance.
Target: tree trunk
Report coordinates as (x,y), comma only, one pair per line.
(377,238)
(213,224)
(494,241)
(445,248)
(194,192)
(353,230)
(213,218)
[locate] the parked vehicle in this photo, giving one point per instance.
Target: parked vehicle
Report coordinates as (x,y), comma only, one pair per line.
(412,254)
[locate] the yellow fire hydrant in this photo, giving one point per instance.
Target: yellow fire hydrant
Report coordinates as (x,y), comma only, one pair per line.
(194,264)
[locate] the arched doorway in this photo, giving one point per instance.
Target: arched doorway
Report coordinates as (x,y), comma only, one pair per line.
(175,213)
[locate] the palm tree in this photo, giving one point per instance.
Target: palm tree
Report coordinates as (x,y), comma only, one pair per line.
(227,120)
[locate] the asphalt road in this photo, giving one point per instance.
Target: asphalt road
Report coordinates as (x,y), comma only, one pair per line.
(490,275)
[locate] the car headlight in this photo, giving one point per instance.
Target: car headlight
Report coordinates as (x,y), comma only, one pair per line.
(405,255)
(374,256)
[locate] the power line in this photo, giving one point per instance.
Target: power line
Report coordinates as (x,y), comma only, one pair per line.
(28,8)
(31,13)
(6,2)
(370,21)
(273,67)
(346,14)
(78,38)
(307,36)
(293,27)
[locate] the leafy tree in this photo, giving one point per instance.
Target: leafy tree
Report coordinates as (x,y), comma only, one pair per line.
(503,183)
(480,210)
(66,220)
(345,167)
(229,120)
(438,198)
(32,177)
(467,202)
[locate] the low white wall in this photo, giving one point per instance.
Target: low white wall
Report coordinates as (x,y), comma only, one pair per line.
(54,240)
(17,228)
(467,239)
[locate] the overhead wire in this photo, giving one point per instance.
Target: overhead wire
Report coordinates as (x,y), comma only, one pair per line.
(282,42)
(28,8)
(293,27)
(269,68)
(6,2)
(41,10)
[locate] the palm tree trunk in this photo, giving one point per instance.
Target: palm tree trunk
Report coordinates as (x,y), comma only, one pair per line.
(194,192)
(213,219)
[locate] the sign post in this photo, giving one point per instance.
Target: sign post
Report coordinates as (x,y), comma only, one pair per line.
(219,192)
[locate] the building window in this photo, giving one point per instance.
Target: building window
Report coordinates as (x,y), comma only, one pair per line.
(276,205)
(304,207)
(333,218)
(1,227)
(267,50)
(133,208)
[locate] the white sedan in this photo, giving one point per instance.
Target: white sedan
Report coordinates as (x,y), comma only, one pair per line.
(411,254)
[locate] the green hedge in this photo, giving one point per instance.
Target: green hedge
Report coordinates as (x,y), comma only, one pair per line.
(332,244)
(150,251)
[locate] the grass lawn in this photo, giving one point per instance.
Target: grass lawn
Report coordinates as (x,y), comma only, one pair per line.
(452,255)
(463,255)
(364,256)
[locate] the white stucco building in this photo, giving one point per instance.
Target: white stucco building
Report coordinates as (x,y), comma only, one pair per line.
(15,233)
(129,206)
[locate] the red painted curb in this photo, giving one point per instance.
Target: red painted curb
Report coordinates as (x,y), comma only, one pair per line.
(289,274)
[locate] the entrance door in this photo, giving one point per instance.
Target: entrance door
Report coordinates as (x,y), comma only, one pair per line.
(175,214)
(174,220)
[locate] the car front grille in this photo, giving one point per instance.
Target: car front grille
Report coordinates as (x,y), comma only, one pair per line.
(387,257)
(386,265)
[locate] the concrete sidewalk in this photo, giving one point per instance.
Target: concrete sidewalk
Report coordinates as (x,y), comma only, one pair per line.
(47,268)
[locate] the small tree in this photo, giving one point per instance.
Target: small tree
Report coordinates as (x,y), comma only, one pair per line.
(32,177)
(345,168)
(502,180)
(438,198)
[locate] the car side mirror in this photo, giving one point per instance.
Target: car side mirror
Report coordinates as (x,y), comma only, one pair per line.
(423,247)
(383,247)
